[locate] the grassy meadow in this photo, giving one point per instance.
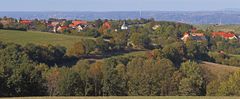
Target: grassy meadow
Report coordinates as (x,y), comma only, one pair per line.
(41,38)
(215,71)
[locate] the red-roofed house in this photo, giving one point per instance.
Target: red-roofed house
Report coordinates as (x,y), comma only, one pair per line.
(107,25)
(226,35)
(199,37)
(26,22)
(76,23)
(62,28)
(54,24)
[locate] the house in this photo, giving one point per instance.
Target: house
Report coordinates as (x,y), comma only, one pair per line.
(5,22)
(79,28)
(76,23)
(106,25)
(54,23)
(199,37)
(53,26)
(61,28)
(155,27)
(225,35)
(25,22)
(124,26)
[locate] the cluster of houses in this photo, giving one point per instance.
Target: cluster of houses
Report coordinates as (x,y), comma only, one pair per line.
(7,21)
(199,37)
(58,25)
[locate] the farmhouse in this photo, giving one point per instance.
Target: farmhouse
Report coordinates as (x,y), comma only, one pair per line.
(199,37)
(225,35)
(61,28)
(76,23)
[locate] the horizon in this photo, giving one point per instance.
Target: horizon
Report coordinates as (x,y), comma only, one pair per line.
(119,5)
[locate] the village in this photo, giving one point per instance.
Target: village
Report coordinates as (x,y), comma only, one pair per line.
(120,49)
(85,52)
(63,25)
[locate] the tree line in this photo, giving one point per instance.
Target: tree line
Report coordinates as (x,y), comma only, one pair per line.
(27,71)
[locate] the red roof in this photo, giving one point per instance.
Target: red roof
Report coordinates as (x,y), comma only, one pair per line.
(25,22)
(64,27)
(198,34)
(225,35)
(75,23)
(107,25)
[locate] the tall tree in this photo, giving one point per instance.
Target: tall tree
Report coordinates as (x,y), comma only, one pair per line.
(150,77)
(192,82)
(113,83)
(230,87)
(83,67)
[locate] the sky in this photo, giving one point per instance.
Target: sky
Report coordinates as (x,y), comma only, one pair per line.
(118,5)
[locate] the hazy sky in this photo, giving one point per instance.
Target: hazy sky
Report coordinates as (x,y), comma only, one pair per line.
(116,5)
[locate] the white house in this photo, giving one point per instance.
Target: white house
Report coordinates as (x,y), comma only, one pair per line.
(124,26)
(79,28)
(155,27)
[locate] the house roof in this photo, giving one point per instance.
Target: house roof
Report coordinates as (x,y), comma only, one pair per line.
(107,25)
(25,21)
(225,35)
(54,23)
(78,22)
(63,27)
(198,34)
(194,36)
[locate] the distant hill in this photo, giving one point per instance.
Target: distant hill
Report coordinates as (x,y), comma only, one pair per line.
(227,16)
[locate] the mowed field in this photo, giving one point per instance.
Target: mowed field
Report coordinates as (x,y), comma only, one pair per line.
(129,97)
(40,38)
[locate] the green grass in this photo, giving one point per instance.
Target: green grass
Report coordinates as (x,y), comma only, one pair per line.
(40,38)
(129,97)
